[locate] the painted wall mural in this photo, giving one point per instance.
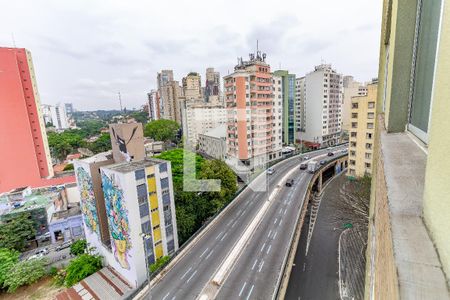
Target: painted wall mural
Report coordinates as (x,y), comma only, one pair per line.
(117,219)
(88,207)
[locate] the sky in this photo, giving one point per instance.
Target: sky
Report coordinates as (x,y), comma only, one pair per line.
(86,51)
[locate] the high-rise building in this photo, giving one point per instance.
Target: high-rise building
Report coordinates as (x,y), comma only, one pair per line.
(249,98)
(172,96)
(362,132)
(163,78)
(199,116)
(59,116)
(69,108)
(192,87)
(24,155)
(322,107)
(128,205)
(288,96)
(352,88)
(212,86)
(154,112)
(299,108)
(277,109)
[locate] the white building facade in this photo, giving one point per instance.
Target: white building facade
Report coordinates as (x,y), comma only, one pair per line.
(322,102)
(213,142)
(277,129)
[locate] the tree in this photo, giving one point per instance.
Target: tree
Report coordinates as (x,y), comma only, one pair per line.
(64,143)
(102,144)
(68,167)
(162,130)
(23,273)
(79,247)
(8,258)
(16,230)
(140,116)
(81,267)
(90,127)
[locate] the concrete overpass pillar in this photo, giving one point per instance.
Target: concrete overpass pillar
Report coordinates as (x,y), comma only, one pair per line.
(319,184)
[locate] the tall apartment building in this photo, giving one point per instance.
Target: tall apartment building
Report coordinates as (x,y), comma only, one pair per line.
(69,108)
(322,107)
(127,203)
(212,86)
(199,117)
(288,96)
(24,155)
(59,116)
(362,132)
(192,88)
(408,249)
(249,98)
(154,112)
(277,121)
(300,118)
(163,78)
(352,88)
(172,97)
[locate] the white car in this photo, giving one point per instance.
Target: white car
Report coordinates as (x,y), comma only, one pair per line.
(270,171)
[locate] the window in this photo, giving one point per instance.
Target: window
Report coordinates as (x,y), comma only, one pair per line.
(354,105)
(367,165)
(371,104)
(423,67)
(354,115)
(162,167)
(352,162)
(353,144)
(354,125)
(368,155)
(369,136)
(142,193)
(370,115)
(369,125)
(352,153)
(368,146)
(353,134)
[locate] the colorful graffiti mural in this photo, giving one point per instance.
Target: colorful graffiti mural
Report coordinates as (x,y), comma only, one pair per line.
(87,206)
(117,219)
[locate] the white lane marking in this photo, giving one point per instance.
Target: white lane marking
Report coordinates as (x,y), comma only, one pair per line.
(243,212)
(262,248)
(203,253)
(233,224)
(219,235)
(269,233)
(166,296)
(285,211)
(173,298)
(242,289)
(228,224)
(251,290)
(186,272)
(260,266)
(224,236)
(268,250)
(281,210)
(254,264)
(193,274)
(275,222)
(275,234)
(209,254)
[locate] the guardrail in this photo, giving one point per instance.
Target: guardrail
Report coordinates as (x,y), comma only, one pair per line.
(210,219)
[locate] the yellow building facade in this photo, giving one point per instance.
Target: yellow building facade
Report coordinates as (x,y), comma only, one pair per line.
(362,133)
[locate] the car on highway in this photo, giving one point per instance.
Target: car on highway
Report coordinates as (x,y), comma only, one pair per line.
(322,162)
(289,182)
(330,153)
(303,166)
(64,245)
(306,157)
(270,171)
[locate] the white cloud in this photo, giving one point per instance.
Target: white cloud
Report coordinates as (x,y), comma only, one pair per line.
(86,51)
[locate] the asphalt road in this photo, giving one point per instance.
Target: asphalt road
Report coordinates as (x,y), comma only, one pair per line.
(315,276)
(193,271)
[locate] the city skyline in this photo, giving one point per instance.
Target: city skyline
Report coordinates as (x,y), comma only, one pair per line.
(117,49)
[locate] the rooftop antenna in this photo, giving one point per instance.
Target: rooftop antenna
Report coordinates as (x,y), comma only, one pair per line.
(120,101)
(13,40)
(257,46)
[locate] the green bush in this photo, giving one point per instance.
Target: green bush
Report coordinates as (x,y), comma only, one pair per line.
(8,258)
(24,273)
(79,247)
(81,267)
(159,263)
(53,271)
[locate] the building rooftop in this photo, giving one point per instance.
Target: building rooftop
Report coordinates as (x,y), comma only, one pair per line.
(217,132)
(126,167)
(28,203)
(99,157)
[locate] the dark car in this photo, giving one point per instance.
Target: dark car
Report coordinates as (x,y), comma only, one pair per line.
(289,182)
(303,166)
(330,153)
